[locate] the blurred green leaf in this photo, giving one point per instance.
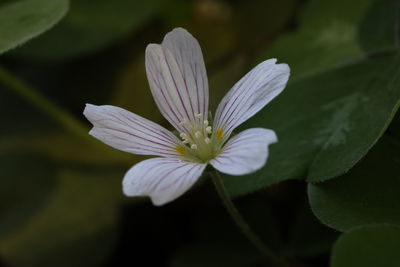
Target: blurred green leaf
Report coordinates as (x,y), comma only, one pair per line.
(368,194)
(308,236)
(368,247)
(264,20)
(90,26)
(20,21)
(74,228)
(216,39)
(326,37)
(26,182)
(326,120)
(60,194)
(380,28)
(210,22)
(220,29)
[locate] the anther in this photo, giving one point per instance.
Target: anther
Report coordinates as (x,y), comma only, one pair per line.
(207,140)
(185,141)
(183,135)
(199,115)
(206,122)
(197,134)
(194,146)
(209,129)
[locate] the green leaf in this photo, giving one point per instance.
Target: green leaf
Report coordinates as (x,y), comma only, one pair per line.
(368,194)
(368,247)
(20,21)
(326,120)
(336,126)
(91,25)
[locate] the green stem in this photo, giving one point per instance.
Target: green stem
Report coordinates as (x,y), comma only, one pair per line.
(29,94)
(61,116)
(242,224)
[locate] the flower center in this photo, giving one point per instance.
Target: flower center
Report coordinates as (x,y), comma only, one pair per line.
(199,142)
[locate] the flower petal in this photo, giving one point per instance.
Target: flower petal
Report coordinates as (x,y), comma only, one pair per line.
(129,132)
(246,152)
(177,77)
(256,89)
(162,179)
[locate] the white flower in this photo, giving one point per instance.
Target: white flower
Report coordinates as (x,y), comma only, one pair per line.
(178,82)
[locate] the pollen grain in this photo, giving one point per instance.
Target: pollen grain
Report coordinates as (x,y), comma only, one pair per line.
(180,150)
(219,133)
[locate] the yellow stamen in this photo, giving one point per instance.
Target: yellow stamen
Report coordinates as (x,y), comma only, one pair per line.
(219,133)
(180,150)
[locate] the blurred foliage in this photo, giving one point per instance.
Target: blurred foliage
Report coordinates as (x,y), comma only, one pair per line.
(89,27)
(20,21)
(61,199)
(368,247)
(71,222)
(19,203)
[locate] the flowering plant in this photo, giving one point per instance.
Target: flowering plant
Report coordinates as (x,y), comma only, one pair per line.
(329,194)
(178,82)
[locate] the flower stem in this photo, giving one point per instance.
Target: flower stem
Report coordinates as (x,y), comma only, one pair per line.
(59,115)
(242,224)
